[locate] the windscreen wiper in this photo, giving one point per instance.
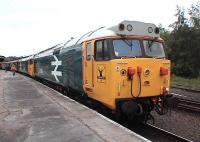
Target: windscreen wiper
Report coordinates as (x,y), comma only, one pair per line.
(128,43)
(150,42)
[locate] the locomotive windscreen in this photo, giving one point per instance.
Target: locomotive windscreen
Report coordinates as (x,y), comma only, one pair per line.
(127,48)
(132,48)
(154,49)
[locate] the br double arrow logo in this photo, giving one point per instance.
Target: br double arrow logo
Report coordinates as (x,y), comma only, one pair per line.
(56,63)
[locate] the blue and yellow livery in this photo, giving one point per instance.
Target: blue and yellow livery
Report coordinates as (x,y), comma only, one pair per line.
(123,67)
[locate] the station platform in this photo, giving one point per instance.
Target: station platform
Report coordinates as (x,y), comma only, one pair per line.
(33,112)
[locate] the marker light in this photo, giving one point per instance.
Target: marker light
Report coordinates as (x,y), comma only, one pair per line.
(121,27)
(150,29)
(163,71)
(165,90)
(130,72)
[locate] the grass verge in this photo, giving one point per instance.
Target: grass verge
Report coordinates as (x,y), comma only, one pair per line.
(185,82)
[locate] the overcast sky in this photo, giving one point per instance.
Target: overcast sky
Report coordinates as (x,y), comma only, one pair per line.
(29,26)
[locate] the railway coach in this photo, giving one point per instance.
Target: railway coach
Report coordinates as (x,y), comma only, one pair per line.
(123,67)
(5,65)
(22,65)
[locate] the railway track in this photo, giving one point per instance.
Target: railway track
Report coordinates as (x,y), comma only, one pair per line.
(186,89)
(188,105)
(166,135)
(186,102)
(156,134)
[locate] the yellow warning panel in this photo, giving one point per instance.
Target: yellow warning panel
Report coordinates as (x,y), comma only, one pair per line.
(101,73)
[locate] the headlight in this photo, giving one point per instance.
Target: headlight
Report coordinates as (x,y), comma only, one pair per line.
(121,27)
(129,27)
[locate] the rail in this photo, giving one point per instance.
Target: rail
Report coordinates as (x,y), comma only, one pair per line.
(153,133)
(188,105)
(170,136)
(186,89)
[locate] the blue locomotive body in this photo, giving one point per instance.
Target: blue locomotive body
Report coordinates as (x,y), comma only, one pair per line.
(62,66)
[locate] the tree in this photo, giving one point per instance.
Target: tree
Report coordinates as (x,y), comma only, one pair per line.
(194,13)
(2,58)
(181,19)
(184,43)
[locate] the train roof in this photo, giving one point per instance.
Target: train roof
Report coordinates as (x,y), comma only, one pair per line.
(124,28)
(13,61)
(24,58)
(48,51)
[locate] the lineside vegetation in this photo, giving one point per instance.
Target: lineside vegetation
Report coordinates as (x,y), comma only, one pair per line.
(183,42)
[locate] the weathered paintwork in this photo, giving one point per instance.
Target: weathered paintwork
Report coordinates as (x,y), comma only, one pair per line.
(63,68)
(23,67)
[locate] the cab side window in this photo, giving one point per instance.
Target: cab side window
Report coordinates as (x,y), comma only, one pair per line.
(101,50)
(88,51)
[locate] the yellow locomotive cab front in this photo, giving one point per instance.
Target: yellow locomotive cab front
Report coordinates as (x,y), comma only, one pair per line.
(147,80)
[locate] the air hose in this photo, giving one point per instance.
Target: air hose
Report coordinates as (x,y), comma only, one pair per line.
(140,87)
(132,88)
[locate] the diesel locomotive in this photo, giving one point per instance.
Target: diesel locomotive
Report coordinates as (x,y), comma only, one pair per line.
(122,67)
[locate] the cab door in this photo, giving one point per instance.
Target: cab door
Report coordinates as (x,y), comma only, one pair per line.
(31,67)
(88,68)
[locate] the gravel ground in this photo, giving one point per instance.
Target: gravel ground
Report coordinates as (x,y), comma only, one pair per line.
(180,122)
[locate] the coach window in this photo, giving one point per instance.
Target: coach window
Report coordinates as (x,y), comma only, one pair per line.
(101,50)
(88,51)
